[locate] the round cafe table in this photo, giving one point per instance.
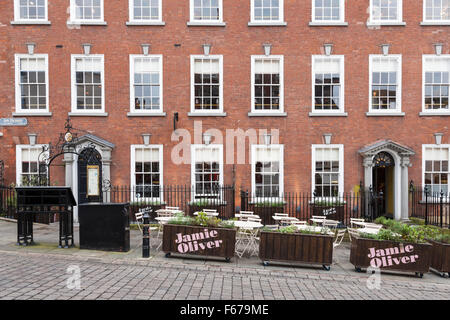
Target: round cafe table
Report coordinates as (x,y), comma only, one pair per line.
(248,224)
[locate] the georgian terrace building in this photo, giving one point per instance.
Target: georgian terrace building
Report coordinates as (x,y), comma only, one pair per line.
(341,85)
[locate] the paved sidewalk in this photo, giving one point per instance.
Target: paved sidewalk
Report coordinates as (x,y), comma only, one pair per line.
(41,272)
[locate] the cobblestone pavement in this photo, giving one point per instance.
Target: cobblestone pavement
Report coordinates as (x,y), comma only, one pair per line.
(41,272)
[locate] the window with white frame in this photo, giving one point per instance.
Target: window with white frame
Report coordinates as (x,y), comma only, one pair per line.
(207,170)
(146,83)
(385,83)
(206,84)
(328,11)
(328,83)
(436,168)
(206,10)
(147,171)
(145,10)
(328,170)
(436,74)
(436,10)
(30,10)
(267,171)
(31,170)
(86,10)
(31,83)
(267,84)
(267,10)
(87,83)
(386,11)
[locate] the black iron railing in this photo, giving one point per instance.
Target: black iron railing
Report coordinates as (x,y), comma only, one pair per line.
(431,206)
(8,202)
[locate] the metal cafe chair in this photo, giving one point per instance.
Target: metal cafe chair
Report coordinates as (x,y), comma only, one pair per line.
(340,233)
(355,225)
(140,220)
(352,232)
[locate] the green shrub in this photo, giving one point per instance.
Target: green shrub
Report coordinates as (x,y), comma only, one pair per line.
(201,220)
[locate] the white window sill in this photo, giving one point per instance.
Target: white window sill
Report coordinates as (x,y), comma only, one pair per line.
(328,24)
(436,114)
(30,22)
(267,114)
(435,23)
(267,24)
(203,114)
(32,114)
(385,114)
(87,23)
(144,23)
(328,114)
(386,24)
(87,114)
(146,114)
(206,24)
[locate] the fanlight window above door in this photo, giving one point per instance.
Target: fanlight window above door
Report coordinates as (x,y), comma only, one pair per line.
(383,160)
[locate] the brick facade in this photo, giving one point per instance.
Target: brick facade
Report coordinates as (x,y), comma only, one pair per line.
(236,42)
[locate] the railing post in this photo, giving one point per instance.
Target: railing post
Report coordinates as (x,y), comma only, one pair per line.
(426,205)
(441,206)
(146,236)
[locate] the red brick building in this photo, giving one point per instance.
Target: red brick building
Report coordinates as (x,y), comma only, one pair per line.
(266,65)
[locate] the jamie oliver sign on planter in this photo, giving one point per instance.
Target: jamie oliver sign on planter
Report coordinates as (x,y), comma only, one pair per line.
(197,240)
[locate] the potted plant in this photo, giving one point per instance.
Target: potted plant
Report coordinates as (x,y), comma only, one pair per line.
(333,209)
(397,247)
(267,209)
(299,246)
(199,236)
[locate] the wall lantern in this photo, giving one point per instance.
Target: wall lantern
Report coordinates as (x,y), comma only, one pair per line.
(206,49)
(146,138)
(328,47)
(206,138)
(145,49)
(30,47)
(385,48)
(87,48)
(438,138)
(327,138)
(438,48)
(267,48)
(32,137)
(267,139)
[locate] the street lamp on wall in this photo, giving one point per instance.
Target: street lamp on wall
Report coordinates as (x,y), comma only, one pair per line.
(385,48)
(206,49)
(206,138)
(267,48)
(32,137)
(438,138)
(146,138)
(145,49)
(328,47)
(438,48)
(30,47)
(327,138)
(267,139)
(87,48)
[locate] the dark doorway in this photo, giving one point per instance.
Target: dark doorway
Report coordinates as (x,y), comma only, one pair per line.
(89,159)
(383,184)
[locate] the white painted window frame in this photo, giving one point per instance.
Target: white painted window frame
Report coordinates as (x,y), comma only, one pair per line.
(206,22)
(18,99)
(253,171)
(314,147)
(132,94)
(133,148)
(252,101)
(206,112)
(398,109)
(341,110)
(19,149)
(144,21)
(328,22)
(74,20)
(424,146)
(426,111)
(398,21)
(221,164)
(432,21)
(17,17)
(268,22)
(74,109)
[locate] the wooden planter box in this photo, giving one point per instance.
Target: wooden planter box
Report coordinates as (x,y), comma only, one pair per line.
(199,241)
(440,257)
(336,212)
(405,257)
(296,247)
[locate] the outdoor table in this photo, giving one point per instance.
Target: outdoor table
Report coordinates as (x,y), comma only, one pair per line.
(314,229)
(368,230)
(317,220)
(238,215)
(360,223)
(248,224)
(168,211)
(163,220)
(210,214)
(279,218)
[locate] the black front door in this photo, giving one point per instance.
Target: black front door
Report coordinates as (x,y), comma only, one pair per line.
(89,159)
(383,162)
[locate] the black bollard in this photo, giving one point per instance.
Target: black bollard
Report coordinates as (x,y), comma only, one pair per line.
(146,236)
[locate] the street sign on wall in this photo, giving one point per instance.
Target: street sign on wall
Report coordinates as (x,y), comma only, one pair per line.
(8,122)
